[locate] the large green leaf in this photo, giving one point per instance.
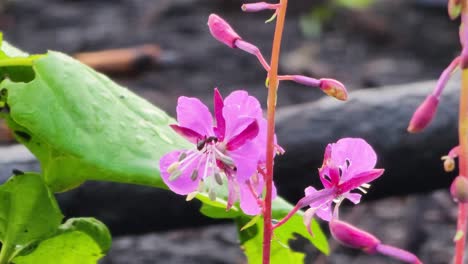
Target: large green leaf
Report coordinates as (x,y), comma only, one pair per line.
(78,241)
(28,212)
(82,126)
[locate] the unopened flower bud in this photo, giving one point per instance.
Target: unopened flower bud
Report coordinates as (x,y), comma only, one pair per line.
(424,114)
(260,6)
(222,31)
(454,8)
(449,163)
(353,237)
(459,189)
(334,88)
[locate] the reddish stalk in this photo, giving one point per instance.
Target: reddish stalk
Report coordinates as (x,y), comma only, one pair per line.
(272,94)
(463,167)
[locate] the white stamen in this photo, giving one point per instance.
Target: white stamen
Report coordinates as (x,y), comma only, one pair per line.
(362,190)
(175,175)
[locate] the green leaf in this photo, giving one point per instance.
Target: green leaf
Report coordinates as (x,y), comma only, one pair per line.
(82,126)
(78,241)
(28,212)
(252,235)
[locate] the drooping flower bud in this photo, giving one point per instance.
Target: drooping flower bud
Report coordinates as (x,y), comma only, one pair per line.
(459,189)
(353,237)
(424,114)
(334,88)
(260,6)
(449,159)
(222,31)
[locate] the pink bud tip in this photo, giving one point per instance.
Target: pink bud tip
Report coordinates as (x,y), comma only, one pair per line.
(260,6)
(334,88)
(222,31)
(424,114)
(353,237)
(459,189)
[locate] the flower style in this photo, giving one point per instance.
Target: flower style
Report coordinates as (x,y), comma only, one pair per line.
(228,152)
(348,164)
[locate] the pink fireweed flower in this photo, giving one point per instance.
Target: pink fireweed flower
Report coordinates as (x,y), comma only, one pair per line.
(348,165)
(227,153)
(353,237)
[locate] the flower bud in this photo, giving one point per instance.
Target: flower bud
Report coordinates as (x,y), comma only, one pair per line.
(449,163)
(424,114)
(222,31)
(353,237)
(459,189)
(334,88)
(260,6)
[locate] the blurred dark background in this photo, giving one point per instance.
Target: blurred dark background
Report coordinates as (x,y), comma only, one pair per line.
(366,44)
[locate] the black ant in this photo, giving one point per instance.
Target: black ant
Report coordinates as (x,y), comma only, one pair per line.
(201,144)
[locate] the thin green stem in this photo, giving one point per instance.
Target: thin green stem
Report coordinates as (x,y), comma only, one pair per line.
(16,62)
(270,148)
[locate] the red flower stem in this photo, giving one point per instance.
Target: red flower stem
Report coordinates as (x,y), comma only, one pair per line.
(270,148)
(463,165)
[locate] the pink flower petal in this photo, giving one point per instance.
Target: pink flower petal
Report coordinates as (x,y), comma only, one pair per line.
(248,105)
(193,114)
(218,113)
(187,133)
(353,151)
(239,111)
(249,133)
(246,160)
(325,212)
(355,198)
(183,184)
(248,202)
(359,179)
